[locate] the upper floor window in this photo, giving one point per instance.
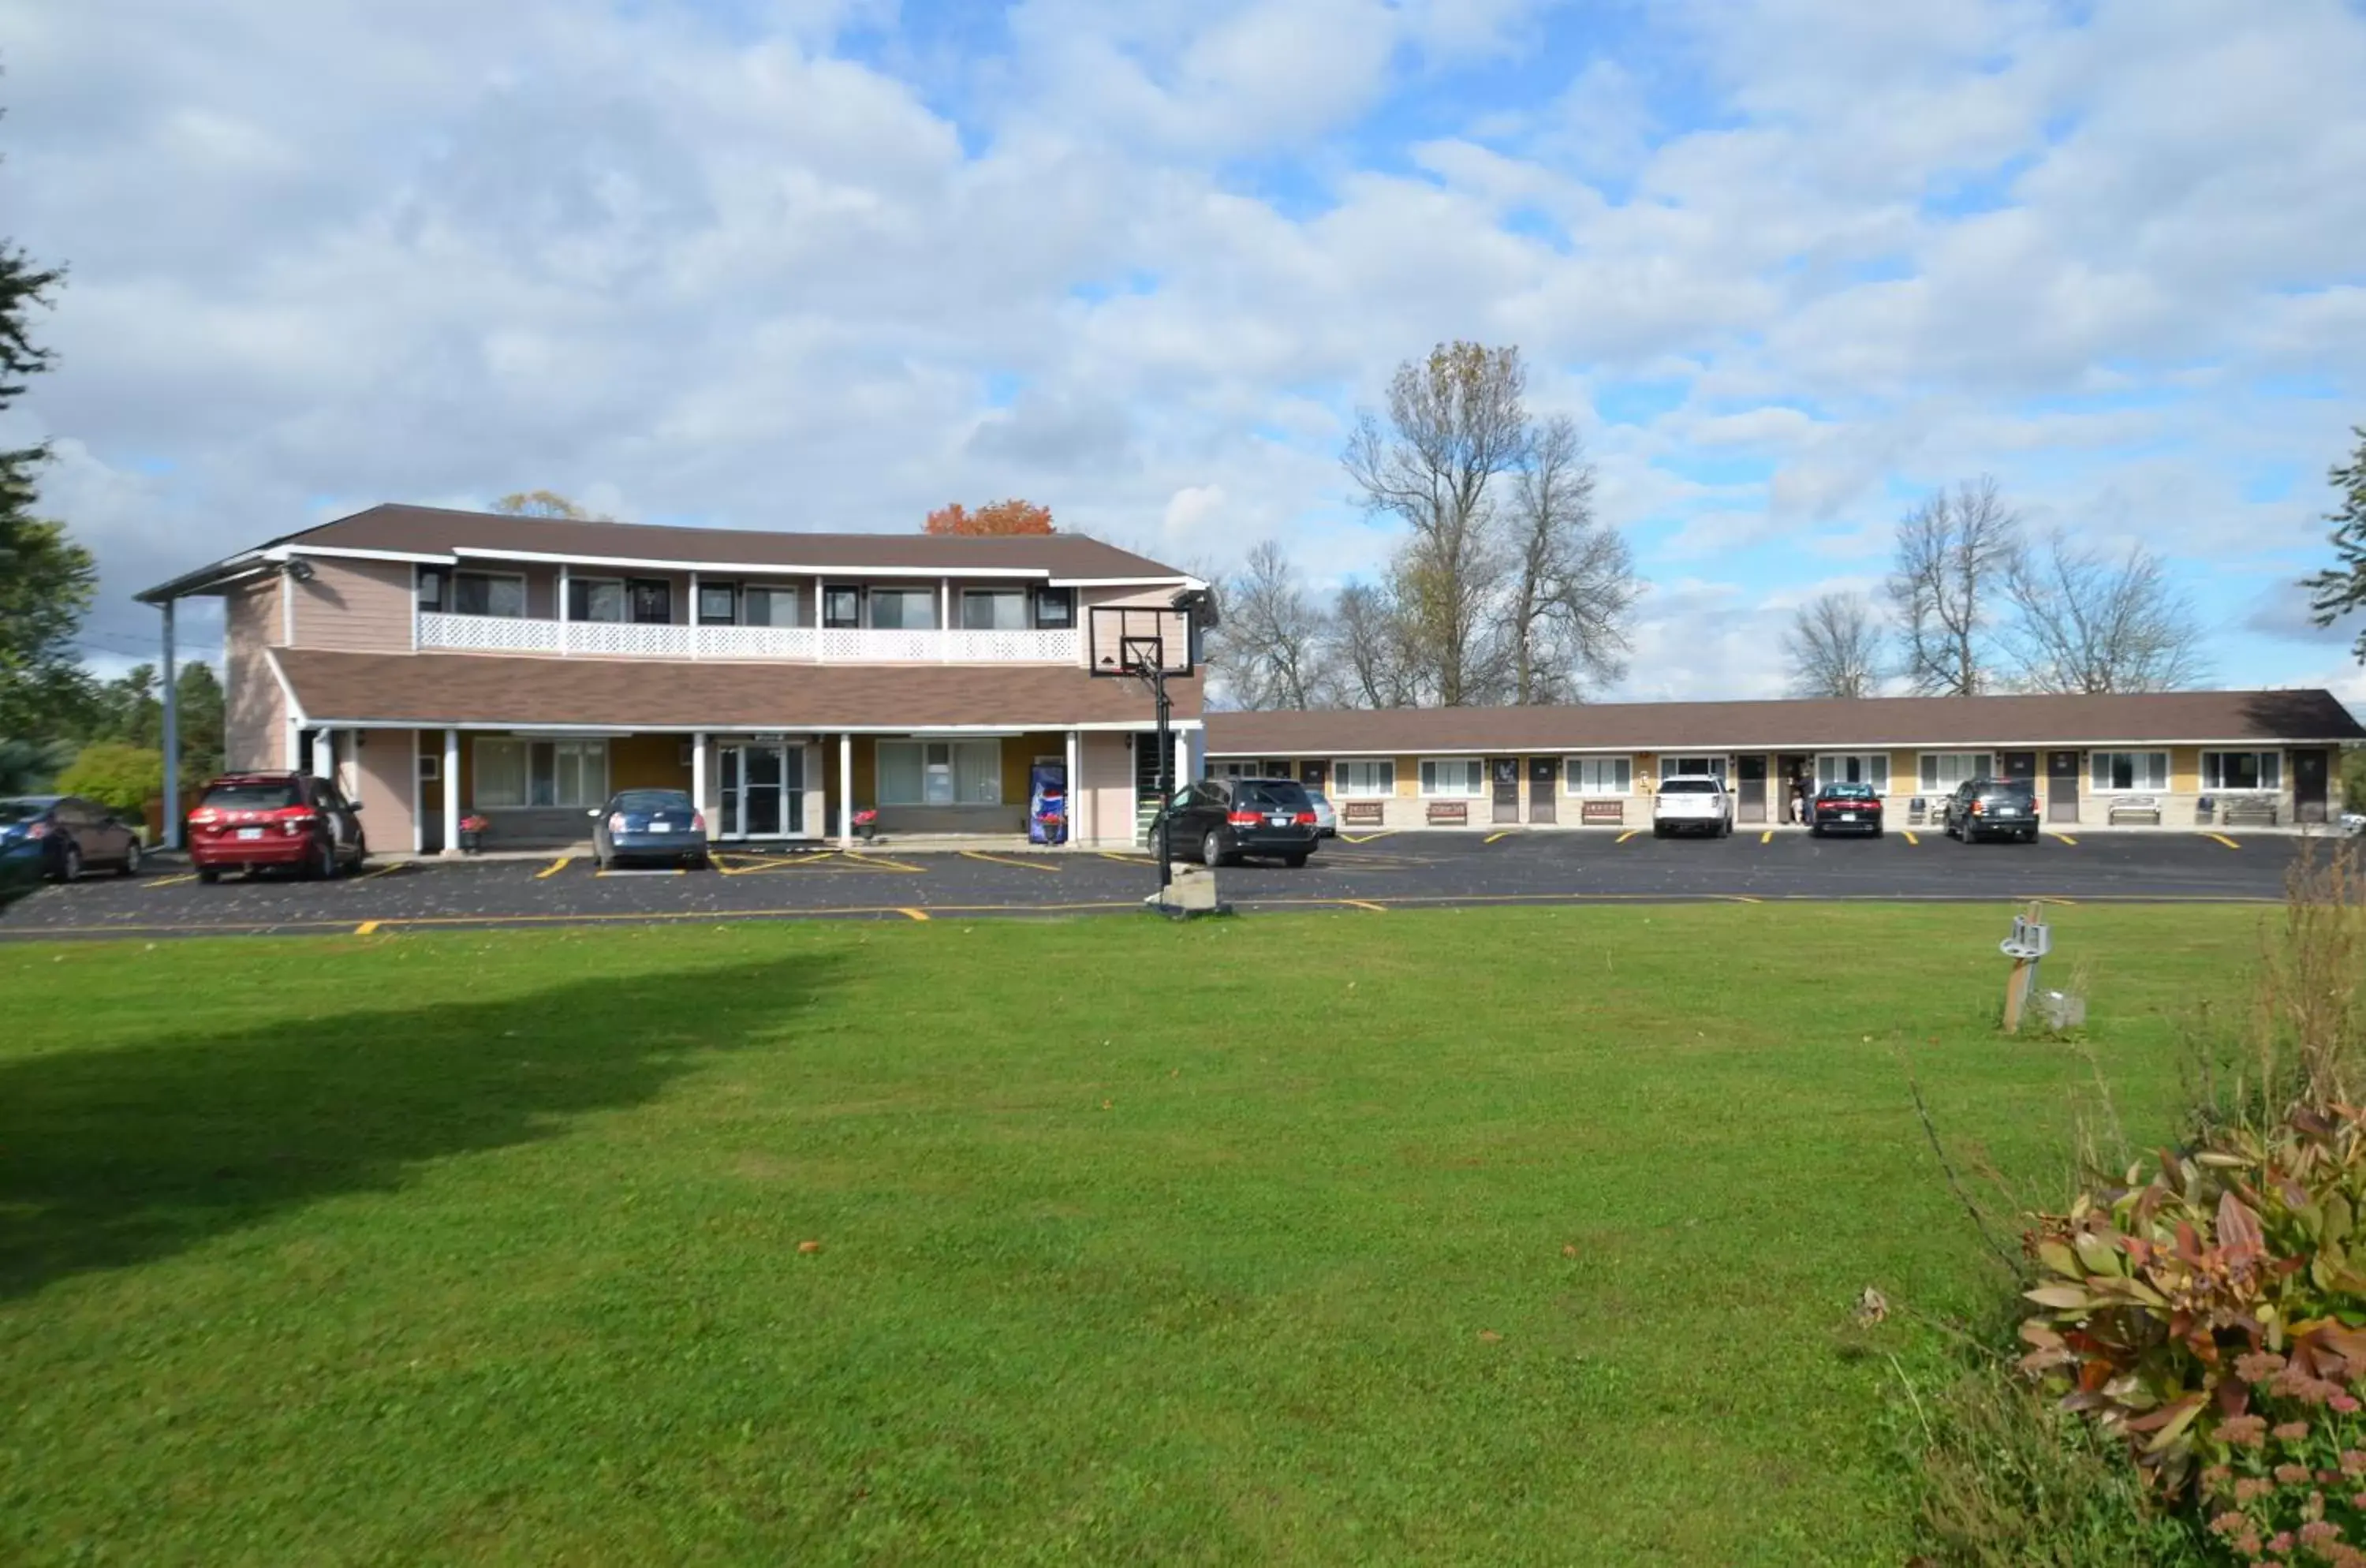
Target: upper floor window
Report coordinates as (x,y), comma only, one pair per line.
(2242,770)
(651,599)
(719,603)
(994,609)
(766,606)
(903,609)
(842,606)
(595,599)
(1056,608)
(478,594)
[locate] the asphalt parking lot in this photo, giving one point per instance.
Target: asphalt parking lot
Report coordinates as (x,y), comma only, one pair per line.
(1375,872)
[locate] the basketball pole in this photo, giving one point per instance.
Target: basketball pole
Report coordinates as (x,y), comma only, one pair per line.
(1166,779)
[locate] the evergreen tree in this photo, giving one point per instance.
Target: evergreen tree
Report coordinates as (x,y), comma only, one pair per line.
(46,579)
(2338,593)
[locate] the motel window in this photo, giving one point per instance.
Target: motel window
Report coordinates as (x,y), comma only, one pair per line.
(1944,771)
(719,603)
(488,593)
(1691,767)
(2118,771)
(1236,769)
(994,609)
(940,773)
(903,609)
(431,589)
(1453,777)
(651,601)
(763,606)
(513,773)
(1855,767)
(842,606)
(1056,608)
(2242,770)
(1599,776)
(1364,780)
(595,599)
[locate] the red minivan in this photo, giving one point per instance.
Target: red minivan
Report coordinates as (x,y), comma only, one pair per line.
(249,821)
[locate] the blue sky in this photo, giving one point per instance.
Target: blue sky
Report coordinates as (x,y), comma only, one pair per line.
(823,263)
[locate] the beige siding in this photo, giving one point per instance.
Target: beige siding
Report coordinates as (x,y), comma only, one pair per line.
(254,710)
(1106,787)
(381,780)
(362,606)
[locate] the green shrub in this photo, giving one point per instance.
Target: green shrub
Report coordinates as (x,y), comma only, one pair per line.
(118,776)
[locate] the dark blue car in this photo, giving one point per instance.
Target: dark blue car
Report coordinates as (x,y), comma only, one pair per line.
(61,835)
(648,824)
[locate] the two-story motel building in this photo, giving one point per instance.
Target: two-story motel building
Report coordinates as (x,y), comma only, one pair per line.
(441,663)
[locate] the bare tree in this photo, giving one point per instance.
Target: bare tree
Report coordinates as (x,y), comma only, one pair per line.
(1955,553)
(1375,649)
(544,504)
(2086,620)
(1833,646)
(1273,649)
(1574,579)
(1457,423)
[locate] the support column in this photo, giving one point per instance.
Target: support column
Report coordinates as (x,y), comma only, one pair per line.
(171,823)
(324,753)
(691,617)
(945,618)
(563,606)
(845,790)
(1185,776)
(292,747)
(1075,760)
(698,770)
(452,793)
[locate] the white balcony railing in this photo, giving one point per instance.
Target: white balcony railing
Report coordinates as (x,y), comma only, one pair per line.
(833,645)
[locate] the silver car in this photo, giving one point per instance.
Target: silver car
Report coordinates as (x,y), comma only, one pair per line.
(1326,821)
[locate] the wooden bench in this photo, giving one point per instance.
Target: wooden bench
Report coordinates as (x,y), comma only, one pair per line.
(2135,808)
(1612,813)
(1449,813)
(1361,813)
(2248,811)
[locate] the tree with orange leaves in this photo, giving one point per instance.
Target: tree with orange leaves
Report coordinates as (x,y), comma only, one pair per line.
(1000,517)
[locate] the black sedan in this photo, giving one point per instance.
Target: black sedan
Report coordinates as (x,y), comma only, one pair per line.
(648,824)
(1845,808)
(58,836)
(1221,820)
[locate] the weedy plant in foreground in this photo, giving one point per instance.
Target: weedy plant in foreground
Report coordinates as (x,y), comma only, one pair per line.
(2207,1307)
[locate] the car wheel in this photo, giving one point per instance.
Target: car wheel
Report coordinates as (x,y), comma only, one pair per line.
(70,862)
(1293,861)
(209,874)
(130,866)
(324,860)
(1211,850)
(361,852)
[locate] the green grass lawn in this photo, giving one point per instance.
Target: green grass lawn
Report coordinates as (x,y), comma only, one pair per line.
(1235,1242)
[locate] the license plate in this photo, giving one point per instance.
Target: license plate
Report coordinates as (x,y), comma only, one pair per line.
(249,832)
(1279,819)
(660,826)
(1848,816)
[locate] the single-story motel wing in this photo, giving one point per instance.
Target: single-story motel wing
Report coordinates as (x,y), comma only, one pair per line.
(2168,758)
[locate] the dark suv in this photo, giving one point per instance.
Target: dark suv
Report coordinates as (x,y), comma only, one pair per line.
(1993,808)
(1223,819)
(250,821)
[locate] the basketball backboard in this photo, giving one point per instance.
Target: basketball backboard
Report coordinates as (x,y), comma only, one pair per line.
(1130,641)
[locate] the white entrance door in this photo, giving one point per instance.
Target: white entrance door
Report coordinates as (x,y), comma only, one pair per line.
(763,791)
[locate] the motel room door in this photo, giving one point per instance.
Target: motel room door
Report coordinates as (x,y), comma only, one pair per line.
(1750,789)
(1313,775)
(1544,789)
(2062,787)
(1506,773)
(2310,774)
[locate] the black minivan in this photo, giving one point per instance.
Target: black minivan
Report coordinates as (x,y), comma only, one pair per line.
(1221,820)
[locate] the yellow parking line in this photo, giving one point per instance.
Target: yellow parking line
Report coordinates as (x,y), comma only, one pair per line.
(2224,839)
(365,928)
(1493,837)
(1629,834)
(168,881)
(1138,859)
(2065,838)
(913,914)
(1022,865)
(1365,903)
(554,867)
(1913,838)
(386,870)
(645,870)
(880,863)
(1767,837)
(1366,838)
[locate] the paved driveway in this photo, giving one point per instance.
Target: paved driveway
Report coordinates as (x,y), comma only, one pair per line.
(1376,872)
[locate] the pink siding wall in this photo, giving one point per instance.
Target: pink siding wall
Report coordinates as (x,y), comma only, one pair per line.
(254,711)
(380,779)
(363,605)
(1106,787)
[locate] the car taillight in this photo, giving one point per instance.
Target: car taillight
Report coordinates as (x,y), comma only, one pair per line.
(1244,818)
(1979,808)
(698,822)
(1306,820)
(617,822)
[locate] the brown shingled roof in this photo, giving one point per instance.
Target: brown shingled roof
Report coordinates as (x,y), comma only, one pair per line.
(431,530)
(1799,726)
(436,689)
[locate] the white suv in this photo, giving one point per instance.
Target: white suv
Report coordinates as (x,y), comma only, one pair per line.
(1691,804)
